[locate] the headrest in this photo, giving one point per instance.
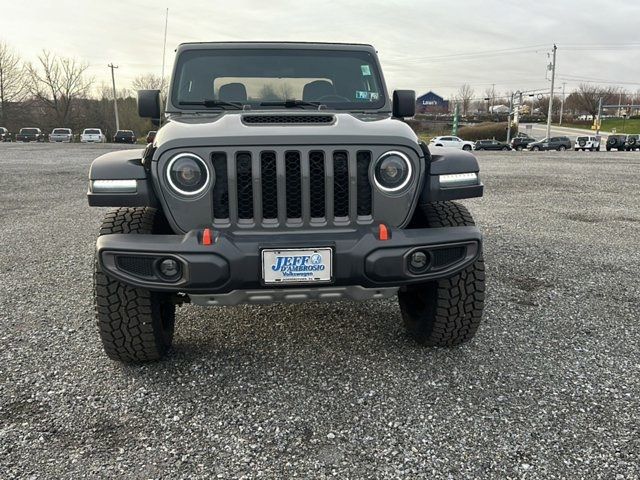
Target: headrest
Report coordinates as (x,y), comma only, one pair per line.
(233,92)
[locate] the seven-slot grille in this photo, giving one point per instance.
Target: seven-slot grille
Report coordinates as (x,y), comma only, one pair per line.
(294,187)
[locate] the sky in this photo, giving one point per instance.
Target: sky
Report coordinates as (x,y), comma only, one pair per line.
(423,45)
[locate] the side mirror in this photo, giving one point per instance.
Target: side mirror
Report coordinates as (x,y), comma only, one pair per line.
(149,105)
(404,103)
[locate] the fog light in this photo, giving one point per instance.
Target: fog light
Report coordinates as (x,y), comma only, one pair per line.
(418,262)
(169,268)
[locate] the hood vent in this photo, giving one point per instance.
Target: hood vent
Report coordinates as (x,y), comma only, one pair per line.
(287,119)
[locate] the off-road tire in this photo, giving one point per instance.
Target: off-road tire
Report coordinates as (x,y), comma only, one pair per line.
(445,312)
(135,325)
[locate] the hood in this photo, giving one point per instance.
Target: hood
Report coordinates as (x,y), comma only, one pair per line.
(233,129)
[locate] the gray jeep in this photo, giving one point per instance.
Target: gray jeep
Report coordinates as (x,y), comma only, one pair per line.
(283,172)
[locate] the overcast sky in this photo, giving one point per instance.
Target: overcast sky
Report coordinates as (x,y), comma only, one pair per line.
(423,45)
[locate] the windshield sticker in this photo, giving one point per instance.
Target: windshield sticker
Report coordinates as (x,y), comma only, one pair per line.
(366,70)
(364,95)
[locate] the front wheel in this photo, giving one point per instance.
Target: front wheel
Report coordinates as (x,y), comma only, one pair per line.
(504,149)
(135,325)
(466,148)
(536,149)
(448,311)
(562,148)
(519,148)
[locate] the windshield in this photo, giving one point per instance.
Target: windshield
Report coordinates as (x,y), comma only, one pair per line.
(266,78)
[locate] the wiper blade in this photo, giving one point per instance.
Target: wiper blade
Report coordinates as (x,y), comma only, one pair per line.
(215,103)
(292,103)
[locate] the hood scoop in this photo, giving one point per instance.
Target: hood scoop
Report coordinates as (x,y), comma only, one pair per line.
(300,119)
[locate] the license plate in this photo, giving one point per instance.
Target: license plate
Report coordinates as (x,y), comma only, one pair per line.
(309,265)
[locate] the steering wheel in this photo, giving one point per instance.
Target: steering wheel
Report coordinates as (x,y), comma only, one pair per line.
(332,98)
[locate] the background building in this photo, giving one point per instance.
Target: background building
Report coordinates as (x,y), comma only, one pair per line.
(431,103)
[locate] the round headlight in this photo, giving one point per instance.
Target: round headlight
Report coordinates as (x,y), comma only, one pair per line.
(188,174)
(392,171)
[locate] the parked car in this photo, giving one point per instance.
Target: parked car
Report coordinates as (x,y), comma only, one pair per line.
(455,142)
(30,134)
(591,143)
(5,135)
(633,142)
(151,136)
(61,135)
(619,142)
(521,141)
(125,136)
(491,145)
(92,135)
(553,143)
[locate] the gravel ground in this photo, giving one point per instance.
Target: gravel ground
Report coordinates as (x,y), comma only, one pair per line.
(549,388)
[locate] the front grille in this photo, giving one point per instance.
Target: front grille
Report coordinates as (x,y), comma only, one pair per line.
(287,119)
(294,187)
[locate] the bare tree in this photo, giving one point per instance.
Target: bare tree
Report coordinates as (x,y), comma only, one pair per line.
(13,86)
(588,96)
(150,81)
(58,82)
(465,95)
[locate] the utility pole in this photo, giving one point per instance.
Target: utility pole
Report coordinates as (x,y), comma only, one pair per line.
(599,116)
(509,119)
(115,97)
(564,84)
(553,80)
(493,96)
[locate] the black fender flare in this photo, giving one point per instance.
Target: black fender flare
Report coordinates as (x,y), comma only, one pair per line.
(122,165)
(448,161)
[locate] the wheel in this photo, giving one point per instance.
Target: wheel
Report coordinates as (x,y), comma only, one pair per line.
(536,149)
(519,148)
(445,312)
(597,149)
(135,325)
(466,148)
(576,149)
(505,148)
(562,148)
(608,149)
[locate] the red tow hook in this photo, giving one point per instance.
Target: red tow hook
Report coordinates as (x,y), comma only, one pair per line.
(207,236)
(383,232)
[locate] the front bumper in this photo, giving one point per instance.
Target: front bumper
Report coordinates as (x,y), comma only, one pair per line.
(233,261)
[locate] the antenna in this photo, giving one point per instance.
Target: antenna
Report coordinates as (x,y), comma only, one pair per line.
(164,50)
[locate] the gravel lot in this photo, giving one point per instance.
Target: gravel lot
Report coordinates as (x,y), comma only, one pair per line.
(550,387)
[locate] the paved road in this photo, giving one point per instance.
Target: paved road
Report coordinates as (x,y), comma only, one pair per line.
(550,387)
(539,131)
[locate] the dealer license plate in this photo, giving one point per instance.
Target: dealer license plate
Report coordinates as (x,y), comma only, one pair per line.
(312,265)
